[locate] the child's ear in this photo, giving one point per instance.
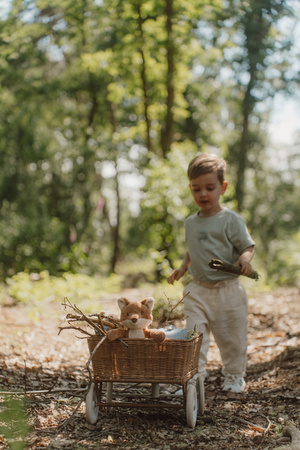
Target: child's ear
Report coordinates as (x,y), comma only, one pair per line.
(224,186)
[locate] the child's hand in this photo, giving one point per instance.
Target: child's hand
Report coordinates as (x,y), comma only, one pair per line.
(246,267)
(175,275)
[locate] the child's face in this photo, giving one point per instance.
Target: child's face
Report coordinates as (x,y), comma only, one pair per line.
(206,190)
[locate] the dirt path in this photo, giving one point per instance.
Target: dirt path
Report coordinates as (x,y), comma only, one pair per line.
(34,358)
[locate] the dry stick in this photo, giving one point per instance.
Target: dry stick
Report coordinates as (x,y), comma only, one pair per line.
(110,324)
(167,319)
(86,319)
(25,377)
(72,327)
(77,318)
(262,429)
(65,422)
(101,322)
(107,319)
(231,268)
(90,322)
(246,422)
(93,316)
(269,424)
(42,391)
(83,317)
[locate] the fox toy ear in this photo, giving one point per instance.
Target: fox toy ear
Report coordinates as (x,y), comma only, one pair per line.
(122,302)
(149,302)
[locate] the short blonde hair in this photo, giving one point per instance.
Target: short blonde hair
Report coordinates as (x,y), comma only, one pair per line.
(207,163)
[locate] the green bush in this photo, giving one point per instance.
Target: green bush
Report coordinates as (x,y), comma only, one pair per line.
(78,288)
(166,297)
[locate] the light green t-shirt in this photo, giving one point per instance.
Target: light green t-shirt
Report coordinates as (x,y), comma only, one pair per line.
(223,236)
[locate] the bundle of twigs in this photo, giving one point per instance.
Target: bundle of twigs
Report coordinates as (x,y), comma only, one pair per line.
(94,323)
(230,268)
(97,323)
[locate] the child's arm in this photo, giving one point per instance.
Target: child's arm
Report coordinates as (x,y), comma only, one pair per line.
(178,273)
(244,261)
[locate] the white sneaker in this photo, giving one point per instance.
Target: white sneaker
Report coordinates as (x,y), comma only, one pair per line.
(233,383)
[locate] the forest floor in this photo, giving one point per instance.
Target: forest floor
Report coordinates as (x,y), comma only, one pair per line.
(46,372)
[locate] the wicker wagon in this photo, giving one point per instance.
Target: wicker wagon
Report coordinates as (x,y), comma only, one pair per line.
(144,361)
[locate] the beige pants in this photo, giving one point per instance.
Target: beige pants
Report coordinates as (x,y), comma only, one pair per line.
(220,308)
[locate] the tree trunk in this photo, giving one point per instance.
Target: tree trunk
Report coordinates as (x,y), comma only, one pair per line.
(242,154)
(115,228)
(144,78)
(255,31)
(168,129)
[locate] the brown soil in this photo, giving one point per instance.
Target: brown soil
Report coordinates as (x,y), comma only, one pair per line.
(34,360)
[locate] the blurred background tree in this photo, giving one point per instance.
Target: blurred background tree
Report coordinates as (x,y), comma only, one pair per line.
(104,104)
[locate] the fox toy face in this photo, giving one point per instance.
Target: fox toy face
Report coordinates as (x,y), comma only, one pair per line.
(136,315)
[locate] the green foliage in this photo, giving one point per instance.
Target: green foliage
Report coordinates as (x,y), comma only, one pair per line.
(14,426)
(164,207)
(78,288)
(92,96)
(166,297)
(283,261)
(273,219)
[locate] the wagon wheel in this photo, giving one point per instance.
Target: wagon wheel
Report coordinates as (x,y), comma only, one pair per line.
(201,395)
(191,406)
(91,405)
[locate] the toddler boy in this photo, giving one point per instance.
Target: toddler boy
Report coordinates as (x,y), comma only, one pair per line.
(217,302)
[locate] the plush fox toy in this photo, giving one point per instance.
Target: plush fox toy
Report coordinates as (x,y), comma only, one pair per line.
(136,316)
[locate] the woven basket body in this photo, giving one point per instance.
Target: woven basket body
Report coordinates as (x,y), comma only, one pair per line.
(173,361)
